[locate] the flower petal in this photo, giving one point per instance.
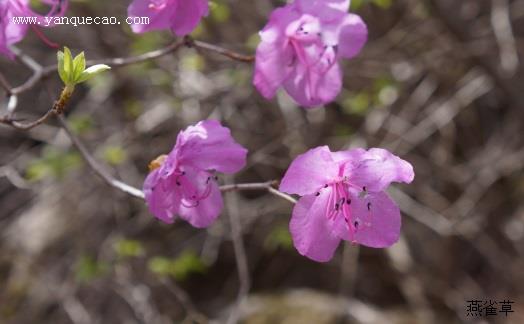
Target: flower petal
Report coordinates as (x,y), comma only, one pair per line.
(206,211)
(378,168)
(161,197)
(309,172)
(188,16)
(310,228)
(325,9)
(353,34)
(311,87)
(209,146)
(158,18)
(378,219)
(273,55)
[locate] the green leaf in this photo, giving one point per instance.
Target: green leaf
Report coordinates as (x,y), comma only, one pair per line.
(128,248)
(79,65)
(187,263)
(220,12)
(53,163)
(87,269)
(279,237)
(384,4)
(180,268)
(61,70)
(92,71)
(81,124)
(68,66)
(115,155)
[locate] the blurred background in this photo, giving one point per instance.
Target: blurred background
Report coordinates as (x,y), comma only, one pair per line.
(440,83)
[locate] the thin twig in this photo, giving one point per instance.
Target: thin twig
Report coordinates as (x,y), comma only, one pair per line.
(501,22)
(42,72)
(5,84)
(240,258)
(99,170)
(222,51)
(8,120)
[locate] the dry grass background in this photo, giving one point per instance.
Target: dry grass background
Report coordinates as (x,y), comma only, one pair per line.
(439,83)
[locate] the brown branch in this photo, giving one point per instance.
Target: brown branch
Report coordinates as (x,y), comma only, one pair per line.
(217,49)
(43,72)
(57,109)
(240,257)
(5,84)
(113,62)
(95,166)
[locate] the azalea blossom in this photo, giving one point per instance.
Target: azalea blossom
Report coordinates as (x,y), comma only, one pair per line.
(301,46)
(180,16)
(183,182)
(344,198)
(11,33)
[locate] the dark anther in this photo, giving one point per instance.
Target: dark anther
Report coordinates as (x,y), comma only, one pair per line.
(355,224)
(348,201)
(325,186)
(178,183)
(337,206)
(216,178)
(369,206)
(207,181)
(317,194)
(183,172)
(364,188)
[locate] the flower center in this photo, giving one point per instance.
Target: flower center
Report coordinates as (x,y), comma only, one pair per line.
(339,203)
(193,193)
(310,50)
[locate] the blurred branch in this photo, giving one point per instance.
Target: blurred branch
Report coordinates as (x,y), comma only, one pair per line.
(501,22)
(240,258)
(5,84)
(193,315)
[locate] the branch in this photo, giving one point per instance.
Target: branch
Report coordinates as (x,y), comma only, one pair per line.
(217,49)
(99,170)
(240,257)
(8,120)
(43,72)
(259,186)
(40,73)
(135,192)
(5,84)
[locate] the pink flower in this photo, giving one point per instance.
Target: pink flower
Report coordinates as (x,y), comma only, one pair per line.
(181,16)
(301,46)
(343,198)
(11,33)
(183,183)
